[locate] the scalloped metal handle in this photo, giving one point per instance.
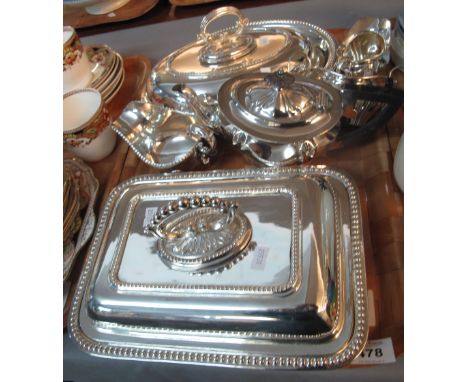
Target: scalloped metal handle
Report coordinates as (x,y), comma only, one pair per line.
(218,13)
(157,225)
(206,146)
(279,80)
(207,115)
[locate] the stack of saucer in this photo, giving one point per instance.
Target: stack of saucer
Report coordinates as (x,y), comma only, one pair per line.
(108,72)
(71,217)
(71,207)
(80,188)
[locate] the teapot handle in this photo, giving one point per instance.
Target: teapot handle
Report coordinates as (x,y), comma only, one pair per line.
(387,100)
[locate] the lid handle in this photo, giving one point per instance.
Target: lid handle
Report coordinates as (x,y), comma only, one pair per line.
(157,227)
(224,48)
(218,13)
(280,80)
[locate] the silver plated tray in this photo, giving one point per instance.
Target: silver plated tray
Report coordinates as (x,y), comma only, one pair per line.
(295,300)
(90,186)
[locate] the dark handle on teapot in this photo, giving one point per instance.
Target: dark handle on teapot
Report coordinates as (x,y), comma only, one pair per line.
(391,97)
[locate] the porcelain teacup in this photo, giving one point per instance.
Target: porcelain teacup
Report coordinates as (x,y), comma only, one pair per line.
(87,125)
(76,66)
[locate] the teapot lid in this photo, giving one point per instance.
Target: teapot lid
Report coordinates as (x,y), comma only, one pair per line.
(280,107)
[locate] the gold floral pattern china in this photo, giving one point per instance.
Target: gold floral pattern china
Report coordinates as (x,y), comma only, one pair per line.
(80,188)
(108,72)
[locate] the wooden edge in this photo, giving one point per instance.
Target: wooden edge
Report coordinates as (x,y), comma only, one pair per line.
(79,18)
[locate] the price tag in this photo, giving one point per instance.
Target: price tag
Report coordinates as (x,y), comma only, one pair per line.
(265,70)
(149,212)
(259,258)
(376,352)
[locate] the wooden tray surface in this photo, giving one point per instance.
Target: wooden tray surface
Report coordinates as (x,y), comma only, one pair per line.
(108,170)
(79,18)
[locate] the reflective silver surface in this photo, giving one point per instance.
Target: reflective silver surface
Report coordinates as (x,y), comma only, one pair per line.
(249,46)
(365,49)
(162,137)
(200,234)
(278,117)
(362,55)
(224,48)
(297,299)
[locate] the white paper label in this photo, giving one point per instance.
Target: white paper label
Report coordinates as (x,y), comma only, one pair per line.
(259,258)
(112,14)
(376,352)
(265,70)
(149,212)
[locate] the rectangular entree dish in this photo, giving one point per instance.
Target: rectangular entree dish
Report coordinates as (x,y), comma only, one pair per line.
(297,298)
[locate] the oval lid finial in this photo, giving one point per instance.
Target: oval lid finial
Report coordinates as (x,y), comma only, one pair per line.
(200,234)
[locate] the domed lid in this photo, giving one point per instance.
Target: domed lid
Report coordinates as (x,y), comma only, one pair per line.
(280,107)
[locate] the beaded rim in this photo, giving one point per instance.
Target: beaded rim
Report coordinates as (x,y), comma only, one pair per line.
(293,280)
(326,38)
(225,253)
(144,158)
(358,278)
(240,289)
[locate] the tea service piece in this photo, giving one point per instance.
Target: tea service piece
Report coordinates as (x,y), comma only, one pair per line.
(163,137)
(110,87)
(361,76)
(279,118)
(87,125)
(365,49)
(96,66)
(103,60)
(76,66)
(283,118)
(108,70)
